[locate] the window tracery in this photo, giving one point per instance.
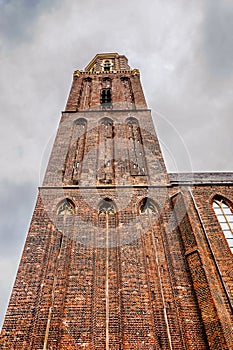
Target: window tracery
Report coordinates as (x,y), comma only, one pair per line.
(66,207)
(147,206)
(107,214)
(225,218)
(107,208)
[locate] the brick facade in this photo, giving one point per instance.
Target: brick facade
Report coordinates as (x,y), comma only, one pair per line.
(120,255)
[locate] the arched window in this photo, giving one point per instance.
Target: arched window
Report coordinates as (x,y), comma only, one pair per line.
(147,206)
(107,66)
(106,97)
(107,214)
(81,121)
(225,218)
(106,93)
(107,207)
(66,207)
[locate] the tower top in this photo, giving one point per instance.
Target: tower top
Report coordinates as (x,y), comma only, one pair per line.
(108,62)
(106,82)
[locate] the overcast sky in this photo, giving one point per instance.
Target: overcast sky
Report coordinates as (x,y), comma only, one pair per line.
(184,50)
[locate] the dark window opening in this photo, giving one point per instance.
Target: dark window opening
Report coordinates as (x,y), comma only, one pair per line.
(107,66)
(106,97)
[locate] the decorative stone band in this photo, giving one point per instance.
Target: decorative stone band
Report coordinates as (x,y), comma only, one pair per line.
(77,73)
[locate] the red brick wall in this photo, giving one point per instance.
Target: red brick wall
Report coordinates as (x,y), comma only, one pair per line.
(126,280)
(78,99)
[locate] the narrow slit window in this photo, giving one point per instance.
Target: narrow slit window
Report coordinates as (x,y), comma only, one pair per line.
(225,219)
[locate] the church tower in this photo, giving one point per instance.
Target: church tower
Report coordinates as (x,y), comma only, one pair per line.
(117,256)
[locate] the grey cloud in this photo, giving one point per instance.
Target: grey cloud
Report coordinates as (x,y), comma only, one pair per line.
(17,17)
(218,43)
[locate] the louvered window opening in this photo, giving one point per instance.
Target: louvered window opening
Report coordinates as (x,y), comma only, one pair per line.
(106,97)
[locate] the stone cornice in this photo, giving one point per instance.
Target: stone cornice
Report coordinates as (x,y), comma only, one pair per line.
(77,73)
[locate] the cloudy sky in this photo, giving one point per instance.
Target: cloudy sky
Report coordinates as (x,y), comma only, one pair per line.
(184,50)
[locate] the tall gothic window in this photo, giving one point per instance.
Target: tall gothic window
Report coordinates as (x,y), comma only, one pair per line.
(65,216)
(107,214)
(225,218)
(106,97)
(106,94)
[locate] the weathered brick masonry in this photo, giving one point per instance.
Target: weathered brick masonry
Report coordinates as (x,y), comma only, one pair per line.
(121,255)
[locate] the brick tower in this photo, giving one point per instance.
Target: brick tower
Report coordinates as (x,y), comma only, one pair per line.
(121,255)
